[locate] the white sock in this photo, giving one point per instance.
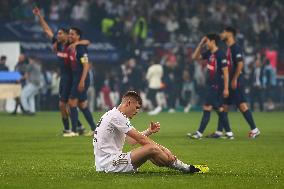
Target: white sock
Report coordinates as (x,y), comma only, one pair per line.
(199,133)
(218,133)
(255,130)
(179,165)
(229,133)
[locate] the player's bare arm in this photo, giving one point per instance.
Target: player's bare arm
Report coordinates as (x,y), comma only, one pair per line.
(43,23)
(81,42)
(154,127)
(237,73)
(197,53)
(86,68)
(226,82)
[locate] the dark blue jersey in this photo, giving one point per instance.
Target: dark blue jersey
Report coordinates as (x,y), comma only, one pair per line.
(234,57)
(62,56)
(215,63)
(77,58)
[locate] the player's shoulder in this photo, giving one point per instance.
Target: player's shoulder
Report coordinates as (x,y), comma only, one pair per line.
(81,48)
(237,47)
(116,115)
(220,53)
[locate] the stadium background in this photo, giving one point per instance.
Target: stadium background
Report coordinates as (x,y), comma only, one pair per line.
(127,35)
(33,153)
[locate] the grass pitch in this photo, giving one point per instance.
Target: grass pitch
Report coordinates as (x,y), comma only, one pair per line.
(34,155)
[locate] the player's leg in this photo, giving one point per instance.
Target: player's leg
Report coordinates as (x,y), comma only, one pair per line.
(254,131)
(147,152)
(162,157)
(223,116)
(73,103)
(241,103)
(203,124)
(83,105)
(64,115)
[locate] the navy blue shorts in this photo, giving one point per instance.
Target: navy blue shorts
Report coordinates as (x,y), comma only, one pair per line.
(214,97)
(64,89)
(236,97)
(75,94)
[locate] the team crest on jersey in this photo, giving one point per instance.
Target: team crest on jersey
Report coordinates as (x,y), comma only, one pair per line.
(224,61)
(239,55)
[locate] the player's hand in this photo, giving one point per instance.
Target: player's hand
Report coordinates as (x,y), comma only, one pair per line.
(234,84)
(226,93)
(154,127)
(54,47)
(203,41)
(36,11)
(81,86)
(72,46)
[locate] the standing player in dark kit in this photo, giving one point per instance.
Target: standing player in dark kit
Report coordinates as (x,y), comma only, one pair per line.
(79,63)
(218,83)
(62,46)
(237,94)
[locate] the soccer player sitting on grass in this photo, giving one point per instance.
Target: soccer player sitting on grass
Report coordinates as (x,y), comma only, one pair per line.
(112,131)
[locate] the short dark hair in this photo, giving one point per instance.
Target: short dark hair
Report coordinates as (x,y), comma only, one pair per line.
(231,30)
(77,30)
(213,36)
(134,95)
(63,29)
(3,57)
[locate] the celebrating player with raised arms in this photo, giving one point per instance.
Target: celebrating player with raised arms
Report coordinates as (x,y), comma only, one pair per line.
(60,41)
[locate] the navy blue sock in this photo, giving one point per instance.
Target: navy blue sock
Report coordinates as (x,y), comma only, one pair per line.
(204,121)
(79,124)
(220,124)
(65,122)
(87,114)
(74,118)
(248,116)
(225,121)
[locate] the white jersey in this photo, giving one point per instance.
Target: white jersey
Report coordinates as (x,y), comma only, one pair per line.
(109,137)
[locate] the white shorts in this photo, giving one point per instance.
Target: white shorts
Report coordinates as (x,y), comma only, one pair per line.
(120,163)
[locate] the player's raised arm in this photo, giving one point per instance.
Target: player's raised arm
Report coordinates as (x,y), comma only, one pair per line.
(197,52)
(43,23)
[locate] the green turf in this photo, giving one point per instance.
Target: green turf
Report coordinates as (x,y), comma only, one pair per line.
(34,155)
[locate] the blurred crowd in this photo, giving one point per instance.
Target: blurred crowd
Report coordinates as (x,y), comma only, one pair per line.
(143,22)
(167,78)
(165,83)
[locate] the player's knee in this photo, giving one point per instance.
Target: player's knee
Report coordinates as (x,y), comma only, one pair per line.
(61,105)
(153,149)
(243,107)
